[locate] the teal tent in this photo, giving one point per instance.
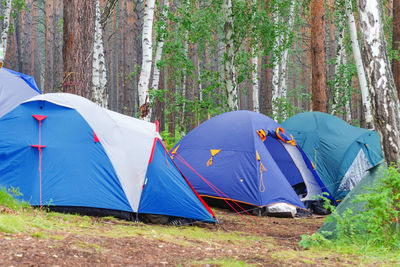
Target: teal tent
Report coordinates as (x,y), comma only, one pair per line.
(342,154)
(368,182)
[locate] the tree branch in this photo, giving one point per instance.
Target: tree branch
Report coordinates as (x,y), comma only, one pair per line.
(106,12)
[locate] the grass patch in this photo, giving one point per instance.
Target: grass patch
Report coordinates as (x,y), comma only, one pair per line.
(89,246)
(8,201)
(222,262)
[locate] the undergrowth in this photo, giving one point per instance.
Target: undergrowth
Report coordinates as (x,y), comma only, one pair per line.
(375,227)
(7,199)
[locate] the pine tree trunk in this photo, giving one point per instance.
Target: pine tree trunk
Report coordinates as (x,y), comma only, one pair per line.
(78,46)
(229,57)
(385,101)
(35,56)
(266,88)
(365,96)
(4,30)
(318,59)
(27,38)
(99,75)
(147,45)
(49,68)
(131,64)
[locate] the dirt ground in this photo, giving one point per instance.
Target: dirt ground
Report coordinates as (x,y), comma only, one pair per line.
(269,240)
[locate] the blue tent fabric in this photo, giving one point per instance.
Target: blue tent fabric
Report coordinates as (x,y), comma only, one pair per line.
(73,169)
(332,144)
(235,169)
(162,195)
(28,79)
(15,88)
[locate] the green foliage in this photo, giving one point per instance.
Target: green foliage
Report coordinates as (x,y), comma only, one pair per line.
(7,199)
(282,108)
(201,24)
(314,240)
(170,140)
(376,226)
(341,84)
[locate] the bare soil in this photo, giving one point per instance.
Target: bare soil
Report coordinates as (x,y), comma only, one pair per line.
(279,235)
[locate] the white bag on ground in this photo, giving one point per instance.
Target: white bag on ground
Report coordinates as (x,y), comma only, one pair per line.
(281,210)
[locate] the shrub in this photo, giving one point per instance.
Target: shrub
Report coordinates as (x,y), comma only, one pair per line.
(375,225)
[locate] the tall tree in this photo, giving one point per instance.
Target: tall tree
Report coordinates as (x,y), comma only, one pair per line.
(229,57)
(79,21)
(144,79)
(340,61)
(366,99)
(254,62)
(396,44)
(99,78)
(385,101)
(5,29)
(160,45)
(318,59)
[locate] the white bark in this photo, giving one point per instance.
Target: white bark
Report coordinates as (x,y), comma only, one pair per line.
(275,70)
(159,51)
(365,96)
(285,52)
(385,102)
(6,27)
(229,58)
(99,77)
(147,46)
(340,61)
(254,76)
(256,104)
(279,84)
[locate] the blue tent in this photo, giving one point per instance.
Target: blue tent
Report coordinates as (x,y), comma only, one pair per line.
(15,88)
(249,158)
(342,153)
(64,151)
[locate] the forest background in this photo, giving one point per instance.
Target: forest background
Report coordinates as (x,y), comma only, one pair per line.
(183,61)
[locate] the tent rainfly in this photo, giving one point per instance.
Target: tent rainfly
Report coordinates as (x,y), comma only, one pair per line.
(247,157)
(342,153)
(65,152)
(15,88)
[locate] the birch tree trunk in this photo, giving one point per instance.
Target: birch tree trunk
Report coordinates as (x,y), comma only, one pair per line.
(99,76)
(340,61)
(276,69)
(285,53)
(144,79)
(318,58)
(385,102)
(279,83)
(229,57)
(159,51)
(365,96)
(254,77)
(5,29)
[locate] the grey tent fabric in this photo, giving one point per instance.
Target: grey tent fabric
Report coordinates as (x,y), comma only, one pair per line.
(368,181)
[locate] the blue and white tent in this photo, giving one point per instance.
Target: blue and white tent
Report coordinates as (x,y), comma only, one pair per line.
(15,88)
(63,150)
(249,158)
